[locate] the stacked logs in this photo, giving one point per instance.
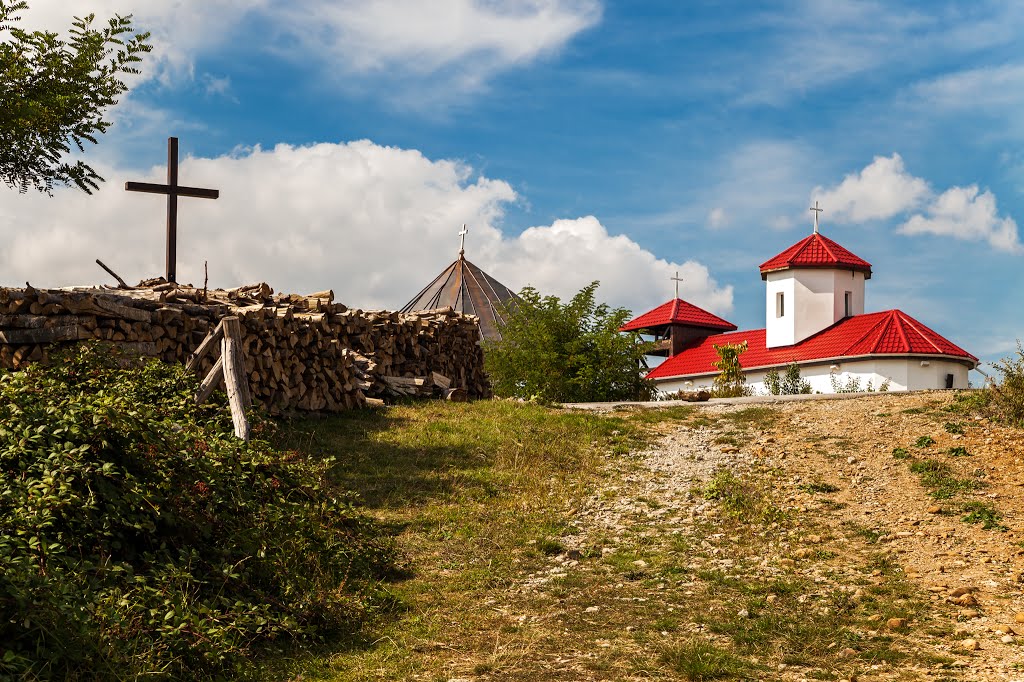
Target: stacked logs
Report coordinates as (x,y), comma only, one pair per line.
(301,352)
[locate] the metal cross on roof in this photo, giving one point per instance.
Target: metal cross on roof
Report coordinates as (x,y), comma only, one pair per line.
(462,246)
(816,212)
(677,279)
(173,190)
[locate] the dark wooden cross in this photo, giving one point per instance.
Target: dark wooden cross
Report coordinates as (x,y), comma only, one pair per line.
(173,190)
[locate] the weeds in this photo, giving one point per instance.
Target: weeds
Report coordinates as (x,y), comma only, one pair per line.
(900,453)
(985,514)
(938,477)
(959,451)
(819,487)
(700,660)
(954,428)
(924,442)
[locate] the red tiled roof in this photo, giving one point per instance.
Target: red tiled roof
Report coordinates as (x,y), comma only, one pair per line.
(891,332)
(816,251)
(677,311)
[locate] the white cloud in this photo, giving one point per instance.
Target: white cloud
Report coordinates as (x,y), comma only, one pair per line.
(374,223)
(462,43)
(966,213)
(884,189)
(881,190)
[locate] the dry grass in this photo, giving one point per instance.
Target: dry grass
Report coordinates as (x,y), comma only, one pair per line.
(483,500)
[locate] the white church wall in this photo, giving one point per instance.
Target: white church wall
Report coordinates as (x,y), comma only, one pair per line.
(813,300)
(779,330)
(906,374)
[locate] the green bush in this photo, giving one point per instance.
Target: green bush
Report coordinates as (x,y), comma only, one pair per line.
(1007,397)
(558,352)
(790,384)
(140,538)
(731,381)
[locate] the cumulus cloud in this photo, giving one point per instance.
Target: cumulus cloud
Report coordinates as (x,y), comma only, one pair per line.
(966,213)
(884,189)
(880,190)
(374,223)
(462,43)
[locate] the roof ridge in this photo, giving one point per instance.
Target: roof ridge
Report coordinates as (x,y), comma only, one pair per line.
(824,244)
(871,330)
(909,321)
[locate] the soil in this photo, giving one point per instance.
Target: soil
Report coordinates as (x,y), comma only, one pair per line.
(971,576)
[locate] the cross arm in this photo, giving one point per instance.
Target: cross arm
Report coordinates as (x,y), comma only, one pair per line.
(152,188)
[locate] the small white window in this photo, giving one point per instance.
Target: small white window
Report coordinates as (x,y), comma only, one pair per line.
(780,304)
(848,301)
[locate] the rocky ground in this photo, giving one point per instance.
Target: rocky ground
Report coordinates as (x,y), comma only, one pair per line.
(826,539)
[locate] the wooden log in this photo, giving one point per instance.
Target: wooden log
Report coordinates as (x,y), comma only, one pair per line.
(235,380)
(208,344)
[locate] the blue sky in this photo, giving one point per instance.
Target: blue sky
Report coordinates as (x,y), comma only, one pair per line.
(579,139)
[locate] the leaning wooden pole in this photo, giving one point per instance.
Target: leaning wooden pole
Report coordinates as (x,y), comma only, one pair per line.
(235,380)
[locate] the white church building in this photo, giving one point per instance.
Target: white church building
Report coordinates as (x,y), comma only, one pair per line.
(814,316)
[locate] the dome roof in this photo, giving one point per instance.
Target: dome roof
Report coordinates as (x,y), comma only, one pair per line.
(816,251)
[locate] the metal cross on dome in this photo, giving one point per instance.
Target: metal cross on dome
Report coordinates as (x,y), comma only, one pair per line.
(677,279)
(816,212)
(173,190)
(462,246)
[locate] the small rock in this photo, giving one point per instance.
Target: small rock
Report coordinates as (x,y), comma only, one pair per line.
(851,460)
(771,598)
(1007,639)
(847,652)
(965,600)
(743,613)
(574,554)
(592,609)
(1019,618)
(859,594)
(935,509)
(968,614)
(970,644)
(787,563)
(896,623)
(803,553)
(874,618)
(961,591)
(640,563)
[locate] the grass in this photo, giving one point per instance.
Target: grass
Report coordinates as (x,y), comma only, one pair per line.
(985,514)
(900,453)
(819,487)
(924,442)
(939,479)
(476,495)
(700,660)
(487,502)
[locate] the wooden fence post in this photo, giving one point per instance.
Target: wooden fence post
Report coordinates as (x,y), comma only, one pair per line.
(235,379)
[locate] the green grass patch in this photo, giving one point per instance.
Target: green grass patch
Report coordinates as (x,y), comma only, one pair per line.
(753,417)
(959,451)
(741,497)
(819,487)
(900,453)
(954,427)
(939,479)
(700,660)
(985,514)
(924,442)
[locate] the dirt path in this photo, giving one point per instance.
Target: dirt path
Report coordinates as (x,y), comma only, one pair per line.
(826,557)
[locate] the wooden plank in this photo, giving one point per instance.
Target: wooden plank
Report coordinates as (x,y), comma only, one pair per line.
(235,380)
(210,382)
(208,343)
(441,381)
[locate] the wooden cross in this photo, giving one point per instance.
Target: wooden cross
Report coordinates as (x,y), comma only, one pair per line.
(816,212)
(173,190)
(677,279)
(462,247)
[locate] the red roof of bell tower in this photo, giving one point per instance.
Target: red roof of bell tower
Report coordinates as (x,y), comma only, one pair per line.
(816,251)
(677,311)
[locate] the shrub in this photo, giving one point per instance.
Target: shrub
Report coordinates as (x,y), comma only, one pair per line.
(1007,397)
(141,538)
(731,381)
(566,352)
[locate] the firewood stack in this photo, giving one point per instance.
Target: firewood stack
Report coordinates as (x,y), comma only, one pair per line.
(301,352)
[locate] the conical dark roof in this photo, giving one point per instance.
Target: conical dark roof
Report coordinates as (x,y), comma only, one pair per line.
(467,289)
